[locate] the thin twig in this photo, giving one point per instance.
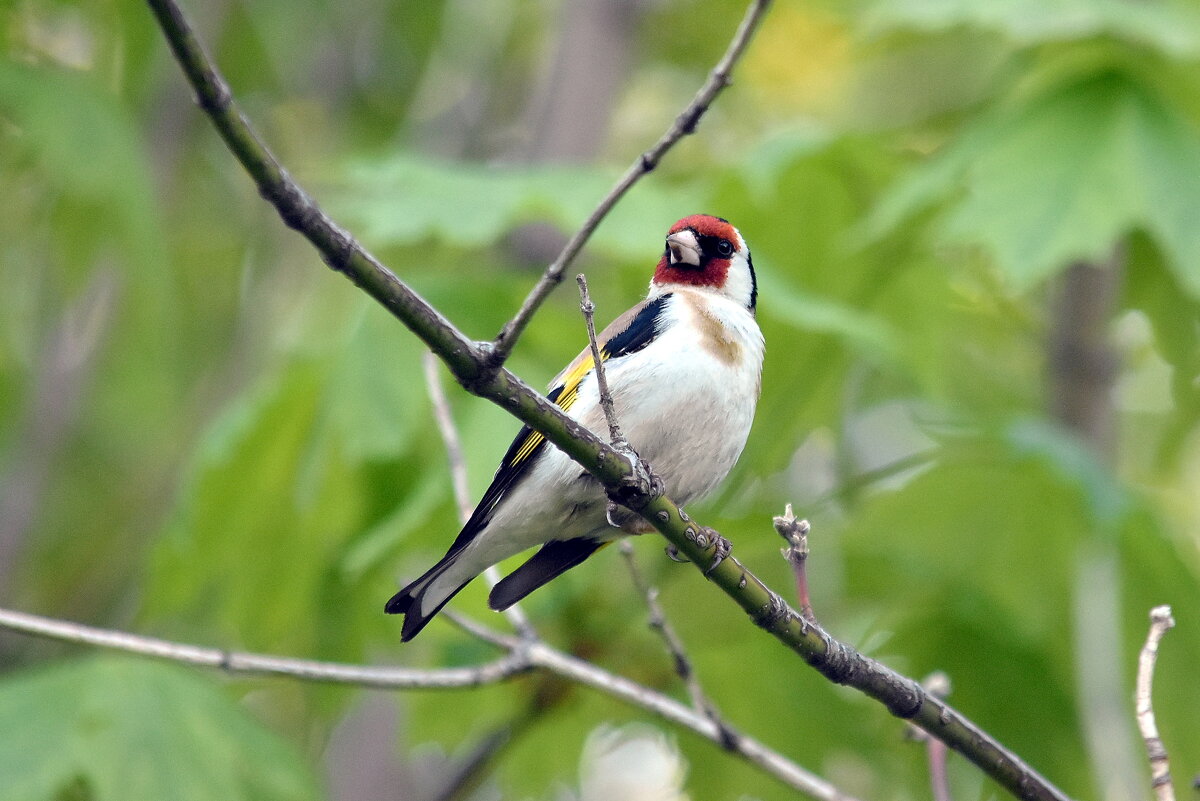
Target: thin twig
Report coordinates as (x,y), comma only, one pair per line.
(522,655)
(796,533)
(684,124)
(450,438)
(606,402)
(938,685)
(939,780)
(470,364)
(458,477)
(390,678)
(1160,766)
(683,665)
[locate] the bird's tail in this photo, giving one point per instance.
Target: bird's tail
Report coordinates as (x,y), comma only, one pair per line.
(555,558)
(425,597)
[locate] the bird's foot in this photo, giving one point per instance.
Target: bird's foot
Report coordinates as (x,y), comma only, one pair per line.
(721,548)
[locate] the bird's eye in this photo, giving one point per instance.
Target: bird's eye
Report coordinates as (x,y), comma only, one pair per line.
(725,248)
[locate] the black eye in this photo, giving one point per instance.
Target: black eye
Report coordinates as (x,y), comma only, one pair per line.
(725,248)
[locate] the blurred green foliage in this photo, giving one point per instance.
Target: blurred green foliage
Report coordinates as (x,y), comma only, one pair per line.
(206,436)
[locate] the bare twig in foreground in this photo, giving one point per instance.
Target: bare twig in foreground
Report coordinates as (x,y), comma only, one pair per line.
(458,477)
(1160,767)
(684,124)
(523,655)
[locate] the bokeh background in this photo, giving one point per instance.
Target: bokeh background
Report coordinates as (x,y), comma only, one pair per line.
(976,231)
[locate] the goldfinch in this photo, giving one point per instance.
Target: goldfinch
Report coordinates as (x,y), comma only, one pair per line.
(684,368)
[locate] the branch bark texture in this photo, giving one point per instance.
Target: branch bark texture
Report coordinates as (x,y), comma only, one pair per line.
(474,367)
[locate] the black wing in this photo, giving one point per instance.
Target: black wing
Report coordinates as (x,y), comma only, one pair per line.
(631,336)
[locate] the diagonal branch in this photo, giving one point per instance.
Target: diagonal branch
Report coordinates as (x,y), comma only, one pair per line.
(465,358)
(471,365)
(684,124)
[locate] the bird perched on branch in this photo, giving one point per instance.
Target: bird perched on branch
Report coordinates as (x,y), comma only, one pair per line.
(684,370)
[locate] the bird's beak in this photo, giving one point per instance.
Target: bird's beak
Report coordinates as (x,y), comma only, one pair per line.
(682,248)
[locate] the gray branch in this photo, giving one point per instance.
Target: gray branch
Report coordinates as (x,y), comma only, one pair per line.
(522,655)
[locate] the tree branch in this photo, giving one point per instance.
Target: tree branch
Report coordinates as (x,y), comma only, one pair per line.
(390,678)
(471,365)
(1160,765)
(684,124)
(522,656)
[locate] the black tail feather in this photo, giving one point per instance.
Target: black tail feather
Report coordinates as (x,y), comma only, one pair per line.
(555,558)
(407,602)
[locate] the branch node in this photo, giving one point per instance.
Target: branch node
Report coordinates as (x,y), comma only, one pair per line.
(771,613)
(722,547)
(795,533)
(640,488)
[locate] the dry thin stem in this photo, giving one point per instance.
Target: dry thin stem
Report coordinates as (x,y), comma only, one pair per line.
(683,665)
(1160,767)
(684,124)
(938,685)
(796,533)
(606,402)
(938,779)
(449,431)
(522,656)
(458,477)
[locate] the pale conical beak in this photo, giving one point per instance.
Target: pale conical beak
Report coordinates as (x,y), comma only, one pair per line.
(682,248)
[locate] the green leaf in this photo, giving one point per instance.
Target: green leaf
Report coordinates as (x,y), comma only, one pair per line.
(251,543)
(1062,178)
(115,729)
(1073,464)
(808,312)
(1171,28)
(84,144)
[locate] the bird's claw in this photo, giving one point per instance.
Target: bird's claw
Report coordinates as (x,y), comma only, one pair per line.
(721,549)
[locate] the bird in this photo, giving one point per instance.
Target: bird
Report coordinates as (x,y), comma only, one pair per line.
(684,370)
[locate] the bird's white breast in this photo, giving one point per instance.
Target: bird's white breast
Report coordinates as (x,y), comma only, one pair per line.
(687,400)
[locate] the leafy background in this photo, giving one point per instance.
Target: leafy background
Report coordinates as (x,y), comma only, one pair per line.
(206,436)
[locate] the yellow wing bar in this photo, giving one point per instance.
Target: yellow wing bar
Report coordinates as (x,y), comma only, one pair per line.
(566,399)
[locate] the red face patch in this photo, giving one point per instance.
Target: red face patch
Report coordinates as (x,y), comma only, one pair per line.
(706,225)
(712,269)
